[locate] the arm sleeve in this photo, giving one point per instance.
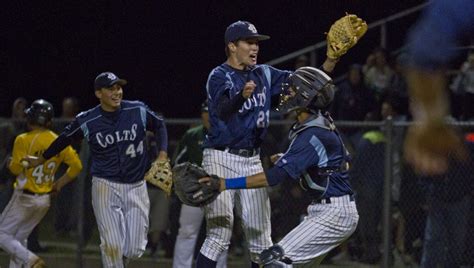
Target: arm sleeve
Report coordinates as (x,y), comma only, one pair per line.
(157,125)
(226,106)
(71,133)
(72,160)
(276,175)
(19,151)
(218,87)
(278,78)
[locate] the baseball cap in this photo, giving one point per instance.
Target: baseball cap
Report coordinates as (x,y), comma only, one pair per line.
(242,30)
(107,79)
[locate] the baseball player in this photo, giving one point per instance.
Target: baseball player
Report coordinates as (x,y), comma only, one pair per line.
(190,219)
(239,93)
(318,159)
(116,132)
(431,46)
(33,187)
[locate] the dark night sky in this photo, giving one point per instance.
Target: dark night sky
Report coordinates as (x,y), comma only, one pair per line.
(165,49)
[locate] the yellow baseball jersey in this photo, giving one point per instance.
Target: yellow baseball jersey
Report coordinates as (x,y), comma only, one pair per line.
(40,179)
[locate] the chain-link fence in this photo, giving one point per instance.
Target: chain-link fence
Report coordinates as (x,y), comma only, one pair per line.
(405,218)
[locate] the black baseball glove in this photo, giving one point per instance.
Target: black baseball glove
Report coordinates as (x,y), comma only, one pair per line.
(188,188)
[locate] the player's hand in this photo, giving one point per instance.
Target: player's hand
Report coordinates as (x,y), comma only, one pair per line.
(30,161)
(56,188)
(248,90)
(428,147)
(275,157)
(207,180)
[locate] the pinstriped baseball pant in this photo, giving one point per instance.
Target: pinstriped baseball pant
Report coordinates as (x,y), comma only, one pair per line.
(325,227)
(121,211)
(252,204)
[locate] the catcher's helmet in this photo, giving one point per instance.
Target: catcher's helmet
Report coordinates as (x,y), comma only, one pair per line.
(40,112)
(308,88)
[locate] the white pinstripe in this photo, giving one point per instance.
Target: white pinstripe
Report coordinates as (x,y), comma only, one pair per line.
(325,227)
(121,210)
(252,204)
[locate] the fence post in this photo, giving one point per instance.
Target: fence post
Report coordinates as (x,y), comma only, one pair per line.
(387,196)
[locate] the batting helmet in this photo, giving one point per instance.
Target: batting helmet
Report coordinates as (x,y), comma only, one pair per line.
(307,87)
(40,112)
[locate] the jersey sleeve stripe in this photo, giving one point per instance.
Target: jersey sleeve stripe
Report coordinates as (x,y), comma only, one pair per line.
(83,126)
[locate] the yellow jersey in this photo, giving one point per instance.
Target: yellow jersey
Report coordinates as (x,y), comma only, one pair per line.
(40,179)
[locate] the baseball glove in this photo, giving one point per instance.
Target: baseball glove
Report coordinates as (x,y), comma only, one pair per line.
(188,188)
(160,175)
(344,34)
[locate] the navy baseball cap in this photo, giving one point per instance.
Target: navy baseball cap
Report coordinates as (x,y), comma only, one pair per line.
(242,30)
(108,79)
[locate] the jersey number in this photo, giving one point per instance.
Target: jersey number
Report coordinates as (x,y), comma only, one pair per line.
(132,151)
(263,119)
(39,173)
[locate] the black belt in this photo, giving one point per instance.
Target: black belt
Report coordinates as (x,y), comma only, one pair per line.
(240,152)
(28,192)
(327,200)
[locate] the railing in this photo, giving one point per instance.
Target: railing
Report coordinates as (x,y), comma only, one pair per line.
(382,24)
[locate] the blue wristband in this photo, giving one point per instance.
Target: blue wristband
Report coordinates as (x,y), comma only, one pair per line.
(236,183)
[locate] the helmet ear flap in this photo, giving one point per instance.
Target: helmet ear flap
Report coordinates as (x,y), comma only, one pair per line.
(324,97)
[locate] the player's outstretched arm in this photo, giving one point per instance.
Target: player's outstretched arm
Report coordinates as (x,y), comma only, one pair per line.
(272,177)
(430,141)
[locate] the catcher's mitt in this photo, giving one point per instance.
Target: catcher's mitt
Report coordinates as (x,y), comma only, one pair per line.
(160,175)
(188,188)
(344,34)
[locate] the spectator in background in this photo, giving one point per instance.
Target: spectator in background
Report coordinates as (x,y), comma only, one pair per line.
(9,129)
(368,179)
(301,61)
(352,101)
(65,215)
(399,82)
(449,201)
(463,87)
(70,108)
(379,75)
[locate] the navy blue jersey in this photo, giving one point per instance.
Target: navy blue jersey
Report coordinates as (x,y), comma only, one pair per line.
(247,127)
(117,139)
(315,149)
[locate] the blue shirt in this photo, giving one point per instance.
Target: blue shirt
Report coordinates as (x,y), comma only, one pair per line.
(312,150)
(247,127)
(116,140)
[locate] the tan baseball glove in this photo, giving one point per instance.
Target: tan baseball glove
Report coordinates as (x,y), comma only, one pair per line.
(344,34)
(160,175)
